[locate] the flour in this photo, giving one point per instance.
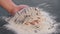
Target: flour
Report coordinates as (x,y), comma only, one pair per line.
(23,22)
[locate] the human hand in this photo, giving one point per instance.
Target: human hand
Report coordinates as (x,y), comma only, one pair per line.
(11,7)
(18,8)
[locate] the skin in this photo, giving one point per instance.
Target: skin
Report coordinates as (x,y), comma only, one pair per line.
(10,6)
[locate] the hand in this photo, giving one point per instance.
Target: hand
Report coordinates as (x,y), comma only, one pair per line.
(11,7)
(18,8)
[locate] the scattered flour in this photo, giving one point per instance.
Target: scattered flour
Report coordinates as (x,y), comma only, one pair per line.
(23,22)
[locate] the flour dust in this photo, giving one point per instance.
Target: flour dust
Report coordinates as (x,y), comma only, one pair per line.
(31,20)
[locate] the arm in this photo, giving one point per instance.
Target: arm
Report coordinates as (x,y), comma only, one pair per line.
(10,6)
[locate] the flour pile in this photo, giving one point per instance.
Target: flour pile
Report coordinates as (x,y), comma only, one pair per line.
(31,20)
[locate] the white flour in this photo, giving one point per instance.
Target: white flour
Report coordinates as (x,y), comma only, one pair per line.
(23,22)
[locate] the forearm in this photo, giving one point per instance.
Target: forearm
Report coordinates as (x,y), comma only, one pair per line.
(8,5)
